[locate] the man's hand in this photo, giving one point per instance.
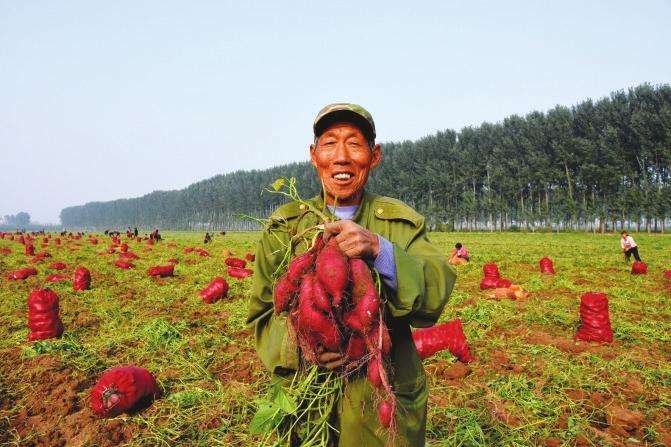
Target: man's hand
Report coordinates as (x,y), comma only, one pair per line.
(353,240)
(330,360)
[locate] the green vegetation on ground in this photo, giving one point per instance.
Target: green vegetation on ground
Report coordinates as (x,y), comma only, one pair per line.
(530,385)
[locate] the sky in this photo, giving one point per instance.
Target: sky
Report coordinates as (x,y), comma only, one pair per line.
(107,100)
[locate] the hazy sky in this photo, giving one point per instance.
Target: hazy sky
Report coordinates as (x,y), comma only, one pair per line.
(103,100)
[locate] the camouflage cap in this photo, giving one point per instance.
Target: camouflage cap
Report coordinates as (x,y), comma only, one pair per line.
(345,112)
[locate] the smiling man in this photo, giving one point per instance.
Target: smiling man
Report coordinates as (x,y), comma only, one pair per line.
(391,237)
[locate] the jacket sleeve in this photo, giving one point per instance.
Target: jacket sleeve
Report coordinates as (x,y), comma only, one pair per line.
(424,281)
(274,344)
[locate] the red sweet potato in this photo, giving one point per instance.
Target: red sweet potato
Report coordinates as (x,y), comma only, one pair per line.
(332,270)
(299,266)
(385,413)
(383,343)
(319,296)
(284,293)
(216,290)
(374,367)
(121,388)
(236,262)
(356,347)
(313,322)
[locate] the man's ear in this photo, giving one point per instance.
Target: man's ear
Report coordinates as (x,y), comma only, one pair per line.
(377,156)
(313,155)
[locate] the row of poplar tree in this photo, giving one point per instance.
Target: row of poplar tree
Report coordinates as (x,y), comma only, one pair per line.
(598,166)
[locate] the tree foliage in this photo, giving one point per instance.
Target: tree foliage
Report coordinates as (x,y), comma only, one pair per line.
(597,165)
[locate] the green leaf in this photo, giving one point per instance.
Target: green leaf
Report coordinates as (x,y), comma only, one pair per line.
(265,419)
(286,403)
(278,184)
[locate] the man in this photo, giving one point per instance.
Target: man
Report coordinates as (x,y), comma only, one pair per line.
(391,237)
(629,247)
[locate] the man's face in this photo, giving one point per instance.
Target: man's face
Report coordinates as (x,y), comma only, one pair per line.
(343,160)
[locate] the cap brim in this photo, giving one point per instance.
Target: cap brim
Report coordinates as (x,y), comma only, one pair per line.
(344,116)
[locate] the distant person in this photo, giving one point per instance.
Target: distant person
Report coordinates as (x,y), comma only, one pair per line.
(208,238)
(155,235)
(223,233)
(135,232)
(629,247)
(459,255)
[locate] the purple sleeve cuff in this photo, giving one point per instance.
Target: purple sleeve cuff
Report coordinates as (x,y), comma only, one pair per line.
(385,263)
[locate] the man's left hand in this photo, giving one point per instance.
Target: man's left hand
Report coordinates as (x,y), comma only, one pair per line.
(353,239)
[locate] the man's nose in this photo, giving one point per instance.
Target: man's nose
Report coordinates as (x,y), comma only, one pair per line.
(341,155)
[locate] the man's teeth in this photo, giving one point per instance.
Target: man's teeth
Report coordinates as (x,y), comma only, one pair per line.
(342,176)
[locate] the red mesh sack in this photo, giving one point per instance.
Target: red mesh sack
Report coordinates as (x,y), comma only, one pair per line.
(43,319)
(216,290)
(161,270)
(239,273)
(202,252)
(22,273)
(250,257)
(124,264)
(57,241)
(5,251)
(93,241)
(82,280)
(56,277)
(489,282)
(491,270)
(188,250)
(448,335)
(503,283)
(122,388)
(173,261)
(58,266)
(123,248)
(547,266)
(150,242)
(667,274)
(30,250)
(236,262)
(639,268)
(128,255)
(594,317)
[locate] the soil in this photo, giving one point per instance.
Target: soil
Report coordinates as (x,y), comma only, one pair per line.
(56,412)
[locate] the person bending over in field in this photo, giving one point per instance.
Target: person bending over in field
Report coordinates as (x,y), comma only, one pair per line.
(208,238)
(391,237)
(629,247)
(459,255)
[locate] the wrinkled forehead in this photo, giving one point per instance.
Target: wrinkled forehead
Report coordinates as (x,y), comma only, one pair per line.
(344,129)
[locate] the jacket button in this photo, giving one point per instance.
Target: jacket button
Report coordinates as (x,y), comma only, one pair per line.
(380,211)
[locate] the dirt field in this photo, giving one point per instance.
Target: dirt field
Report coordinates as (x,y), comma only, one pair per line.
(531,384)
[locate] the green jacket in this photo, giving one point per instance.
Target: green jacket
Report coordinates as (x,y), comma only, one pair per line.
(424,283)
